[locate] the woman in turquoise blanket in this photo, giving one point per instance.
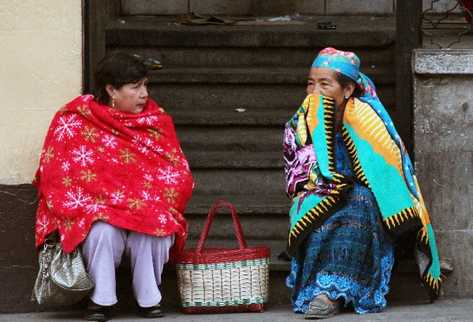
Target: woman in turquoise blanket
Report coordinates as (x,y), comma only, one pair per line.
(353,192)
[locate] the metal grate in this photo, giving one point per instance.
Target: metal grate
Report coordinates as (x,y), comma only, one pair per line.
(446,23)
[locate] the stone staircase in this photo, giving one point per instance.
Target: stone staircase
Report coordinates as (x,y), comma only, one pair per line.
(230,89)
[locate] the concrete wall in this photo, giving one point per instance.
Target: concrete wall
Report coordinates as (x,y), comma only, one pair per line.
(443,138)
(41,61)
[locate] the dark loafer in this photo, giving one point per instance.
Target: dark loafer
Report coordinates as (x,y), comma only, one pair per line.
(151,312)
(95,312)
(321,309)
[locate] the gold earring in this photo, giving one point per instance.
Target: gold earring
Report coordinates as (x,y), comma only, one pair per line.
(113,102)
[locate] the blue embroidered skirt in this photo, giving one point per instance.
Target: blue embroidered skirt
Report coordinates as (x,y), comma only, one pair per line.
(349,257)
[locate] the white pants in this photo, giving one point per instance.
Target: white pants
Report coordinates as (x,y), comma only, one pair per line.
(102,252)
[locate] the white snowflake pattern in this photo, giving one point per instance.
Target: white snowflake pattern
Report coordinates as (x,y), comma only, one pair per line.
(148,177)
(162,219)
(76,199)
(67,127)
(94,207)
(168,175)
(149,120)
(109,141)
(83,156)
(65,166)
(146,195)
(144,144)
(42,224)
(117,197)
(81,223)
(143,149)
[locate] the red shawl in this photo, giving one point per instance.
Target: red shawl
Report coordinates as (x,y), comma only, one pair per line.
(126,169)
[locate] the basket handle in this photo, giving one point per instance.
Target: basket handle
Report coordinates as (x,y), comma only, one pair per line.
(219,204)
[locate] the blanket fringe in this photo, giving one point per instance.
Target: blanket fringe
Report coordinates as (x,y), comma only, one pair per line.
(315,214)
(423,236)
(357,169)
(329,121)
(433,283)
(395,220)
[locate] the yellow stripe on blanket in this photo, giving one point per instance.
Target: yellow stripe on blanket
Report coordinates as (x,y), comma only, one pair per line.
(369,126)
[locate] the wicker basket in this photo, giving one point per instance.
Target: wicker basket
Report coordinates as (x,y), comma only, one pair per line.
(219,280)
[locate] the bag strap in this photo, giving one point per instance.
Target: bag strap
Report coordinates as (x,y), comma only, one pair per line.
(219,204)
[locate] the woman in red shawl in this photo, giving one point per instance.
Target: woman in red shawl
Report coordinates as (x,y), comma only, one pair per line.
(113,179)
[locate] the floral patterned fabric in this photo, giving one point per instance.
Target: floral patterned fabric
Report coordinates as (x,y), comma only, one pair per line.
(300,167)
(349,256)
(126,169)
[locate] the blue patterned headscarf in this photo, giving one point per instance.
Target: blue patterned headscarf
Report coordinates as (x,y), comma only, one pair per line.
(348,64)
(344,62)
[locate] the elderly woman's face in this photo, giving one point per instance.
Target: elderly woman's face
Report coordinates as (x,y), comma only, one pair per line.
(324,81)
(131,97)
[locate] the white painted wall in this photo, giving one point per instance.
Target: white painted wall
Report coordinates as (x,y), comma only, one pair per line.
(40,70)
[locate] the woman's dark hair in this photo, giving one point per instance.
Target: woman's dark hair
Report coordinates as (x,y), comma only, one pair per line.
(117,69)
(345,81)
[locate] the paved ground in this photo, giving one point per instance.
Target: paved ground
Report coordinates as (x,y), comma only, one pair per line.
(444,310)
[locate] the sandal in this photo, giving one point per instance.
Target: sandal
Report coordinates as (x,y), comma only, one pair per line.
(322,308)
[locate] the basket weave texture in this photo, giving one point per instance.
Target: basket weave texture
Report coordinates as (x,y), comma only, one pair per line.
(219,280)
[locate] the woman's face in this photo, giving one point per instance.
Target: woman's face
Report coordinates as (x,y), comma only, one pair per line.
(131,97)
(324,81)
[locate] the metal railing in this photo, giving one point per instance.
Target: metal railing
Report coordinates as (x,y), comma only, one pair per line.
(447,23)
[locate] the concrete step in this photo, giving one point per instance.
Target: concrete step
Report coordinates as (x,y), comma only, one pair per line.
(381,75)
(196,97)
(263,217)
(352,31)
(262,227)
(245,204)
(239,181)
(232,115)
(408,309)
(253,7)
(227,182)
(231,138)
(199,159)
(256,57)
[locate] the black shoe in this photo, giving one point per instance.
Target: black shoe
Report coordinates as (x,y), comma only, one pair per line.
(151,312)
(95,312)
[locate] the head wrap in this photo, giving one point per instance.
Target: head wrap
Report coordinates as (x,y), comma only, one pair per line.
(346,63)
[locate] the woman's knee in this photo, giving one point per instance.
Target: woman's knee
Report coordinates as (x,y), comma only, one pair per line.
(104,232)
(142,242)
